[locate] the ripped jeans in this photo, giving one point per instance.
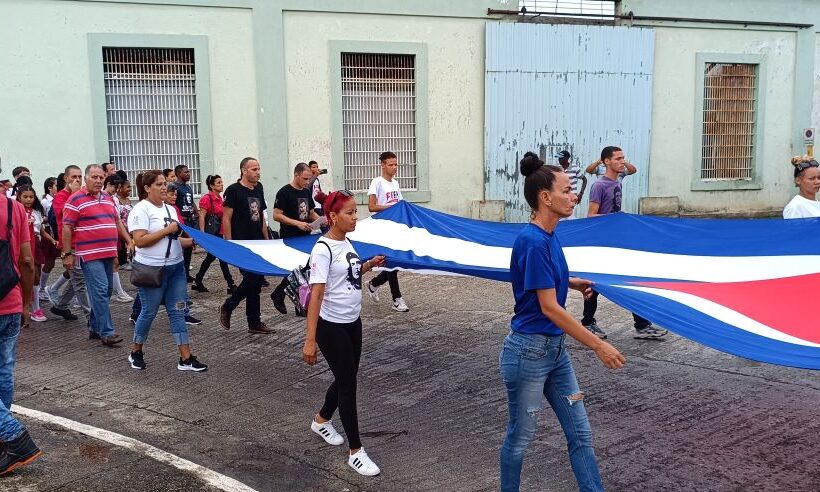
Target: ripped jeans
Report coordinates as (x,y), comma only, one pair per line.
(173,293)
(532,366)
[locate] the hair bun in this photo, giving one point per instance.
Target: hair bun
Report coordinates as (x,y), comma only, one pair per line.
(320,198)
(799,159)
(530,163)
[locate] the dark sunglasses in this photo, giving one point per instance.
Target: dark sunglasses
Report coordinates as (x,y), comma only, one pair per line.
(807,164)
(344,193)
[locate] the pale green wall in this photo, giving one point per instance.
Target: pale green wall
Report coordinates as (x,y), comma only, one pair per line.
(675,120)
(791,86)
(46,119)
(455,98)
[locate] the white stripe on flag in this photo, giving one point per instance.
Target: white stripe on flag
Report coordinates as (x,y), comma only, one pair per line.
(616,261)
(722,313)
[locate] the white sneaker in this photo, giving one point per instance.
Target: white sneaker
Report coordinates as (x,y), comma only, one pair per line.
(123,297)
(399,305)
(327,432)
(373,292)
(362,463)
(44,294)
(49,295)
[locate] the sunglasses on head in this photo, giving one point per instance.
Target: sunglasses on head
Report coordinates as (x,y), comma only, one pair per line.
(807,164)
(344,193)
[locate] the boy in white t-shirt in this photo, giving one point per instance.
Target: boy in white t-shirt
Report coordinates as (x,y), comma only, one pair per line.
(384,192)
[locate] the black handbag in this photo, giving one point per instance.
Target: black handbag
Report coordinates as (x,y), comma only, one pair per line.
(213,223)
(8,275)
(147,276)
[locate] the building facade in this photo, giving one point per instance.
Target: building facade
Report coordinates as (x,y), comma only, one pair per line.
(710,110)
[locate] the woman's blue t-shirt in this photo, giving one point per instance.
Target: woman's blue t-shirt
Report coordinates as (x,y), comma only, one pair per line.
(537,263)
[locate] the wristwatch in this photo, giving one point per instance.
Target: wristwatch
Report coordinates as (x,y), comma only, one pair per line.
(65,255)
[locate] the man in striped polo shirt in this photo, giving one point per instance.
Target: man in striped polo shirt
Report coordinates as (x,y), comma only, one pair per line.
(90,229)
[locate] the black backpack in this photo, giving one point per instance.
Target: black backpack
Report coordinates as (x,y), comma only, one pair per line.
(8,275)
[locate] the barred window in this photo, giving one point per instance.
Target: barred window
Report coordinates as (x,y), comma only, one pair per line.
(729,114)
(602,8)
(150,99)
(378,114)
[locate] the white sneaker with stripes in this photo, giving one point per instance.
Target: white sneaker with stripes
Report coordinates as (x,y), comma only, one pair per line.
(362,463)
(327,432)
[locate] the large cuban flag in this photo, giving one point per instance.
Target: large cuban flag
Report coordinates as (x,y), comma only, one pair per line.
(746,287)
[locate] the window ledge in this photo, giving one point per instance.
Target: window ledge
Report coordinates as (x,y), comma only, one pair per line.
(727,185)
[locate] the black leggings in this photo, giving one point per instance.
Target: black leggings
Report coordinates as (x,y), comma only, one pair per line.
(391,277)
(206,264)
(341,345)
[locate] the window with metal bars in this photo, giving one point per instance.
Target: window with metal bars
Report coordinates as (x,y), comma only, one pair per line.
(150,99)
(603,8)
(729,115)
(378,114)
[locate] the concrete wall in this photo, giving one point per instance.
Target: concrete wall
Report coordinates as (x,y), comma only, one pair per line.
(674,118)
(45,99)
(455,98)
(790,101)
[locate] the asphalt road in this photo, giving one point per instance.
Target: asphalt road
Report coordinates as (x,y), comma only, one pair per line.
(432,407)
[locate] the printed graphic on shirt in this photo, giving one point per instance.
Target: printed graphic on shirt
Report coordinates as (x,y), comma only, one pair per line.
(392,197)
(255,208)
(303,209)
(616,199)
(354,271)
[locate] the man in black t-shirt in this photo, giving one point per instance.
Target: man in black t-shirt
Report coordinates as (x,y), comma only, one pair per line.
(294,210)
(243,218)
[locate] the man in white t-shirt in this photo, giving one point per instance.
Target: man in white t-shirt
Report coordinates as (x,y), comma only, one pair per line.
(384,192)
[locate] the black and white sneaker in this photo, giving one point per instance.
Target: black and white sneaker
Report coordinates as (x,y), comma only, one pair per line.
(362,463)
(327,432)
(136,360)
(133,319)
(191,364)
(190,320)
(596,330)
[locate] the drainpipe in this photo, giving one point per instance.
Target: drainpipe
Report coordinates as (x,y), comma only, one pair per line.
(630,16)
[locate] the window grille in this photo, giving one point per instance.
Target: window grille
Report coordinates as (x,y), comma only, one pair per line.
(729,106)
(378,114)
(603,8)
(150,99)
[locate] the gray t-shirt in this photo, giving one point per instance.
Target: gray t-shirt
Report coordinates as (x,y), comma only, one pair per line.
(607,194)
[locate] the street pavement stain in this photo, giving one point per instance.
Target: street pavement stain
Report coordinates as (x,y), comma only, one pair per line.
(95,453)
(390,434)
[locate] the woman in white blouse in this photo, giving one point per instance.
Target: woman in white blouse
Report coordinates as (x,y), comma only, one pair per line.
(807,179)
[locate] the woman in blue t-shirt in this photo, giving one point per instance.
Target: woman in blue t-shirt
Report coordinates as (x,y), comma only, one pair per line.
(534,360)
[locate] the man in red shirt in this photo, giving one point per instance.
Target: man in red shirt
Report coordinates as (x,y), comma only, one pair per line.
(75,279)
(18,449)
(90,229)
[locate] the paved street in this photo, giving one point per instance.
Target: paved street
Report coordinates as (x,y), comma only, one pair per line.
(432,407)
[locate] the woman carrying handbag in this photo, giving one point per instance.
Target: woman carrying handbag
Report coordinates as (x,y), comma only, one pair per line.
(210,221)
(158,270)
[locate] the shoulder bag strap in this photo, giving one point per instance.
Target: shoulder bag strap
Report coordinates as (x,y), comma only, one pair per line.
(8,220)
(170,241)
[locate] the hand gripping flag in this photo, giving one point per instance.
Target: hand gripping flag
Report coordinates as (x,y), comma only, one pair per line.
(745,287)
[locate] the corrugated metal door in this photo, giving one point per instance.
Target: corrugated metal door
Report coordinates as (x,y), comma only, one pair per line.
(575,87)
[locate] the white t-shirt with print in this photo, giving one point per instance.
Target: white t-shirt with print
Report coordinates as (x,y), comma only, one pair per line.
(317,187)
(387,192)
(801,208)
(340,269)
(148,217)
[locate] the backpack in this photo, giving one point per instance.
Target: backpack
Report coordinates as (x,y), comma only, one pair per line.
(298,287)
(8,275)
(51,218)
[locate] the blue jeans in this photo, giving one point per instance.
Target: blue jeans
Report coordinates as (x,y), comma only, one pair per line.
(532,366)
(173,293)
(10,428)
(98,283)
